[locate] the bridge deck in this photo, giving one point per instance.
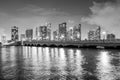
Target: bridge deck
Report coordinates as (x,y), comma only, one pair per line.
(103,43)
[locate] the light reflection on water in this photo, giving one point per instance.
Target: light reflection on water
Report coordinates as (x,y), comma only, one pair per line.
(44,63)
(107,71)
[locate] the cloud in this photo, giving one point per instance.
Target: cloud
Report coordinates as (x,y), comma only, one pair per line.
(38,11)
(106,15)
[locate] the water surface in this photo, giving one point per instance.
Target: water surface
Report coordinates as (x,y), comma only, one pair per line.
(45,63)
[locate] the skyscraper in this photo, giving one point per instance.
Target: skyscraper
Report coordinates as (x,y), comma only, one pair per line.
(22,37)
(77,33)
(55,35)
(91,35)
(70,34)
(3,39)
(43,32)
(110,36)
(37,33)
(48,34)
(63,31)
(29,34)
(95,35)
(49,31)
(98,33)
(14,33)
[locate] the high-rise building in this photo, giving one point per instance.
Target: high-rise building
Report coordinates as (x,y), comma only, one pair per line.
(98,33)
(22,37)
(48,34)
(70,34)
(37,33)
(110,36)
(43,32)
(14,33)
(29,34)
(49,31)
(91,35)
(95,35)
(3,39)
(77,33)
(55,35)
(63,31)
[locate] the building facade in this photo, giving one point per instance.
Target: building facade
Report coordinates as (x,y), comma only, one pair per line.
(110,36)
(55,35)
(29,34)
(22,37)
(70,34)
(77,33)
(98,33)
(3,39)
(91,35)
(48,34)
(43,32)
(63,31)
(95,35)
(14,33)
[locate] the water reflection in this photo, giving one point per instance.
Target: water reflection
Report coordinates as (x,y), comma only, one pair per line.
(106,70)
(50,63)
(44,63)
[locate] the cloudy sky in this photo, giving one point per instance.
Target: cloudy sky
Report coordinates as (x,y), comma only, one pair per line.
(32,13)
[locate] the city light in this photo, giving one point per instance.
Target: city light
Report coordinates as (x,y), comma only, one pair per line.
(104,35)
(78,35)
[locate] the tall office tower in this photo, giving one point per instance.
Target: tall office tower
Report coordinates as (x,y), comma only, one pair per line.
(43,32)
(29,34)
(70,34)
(37,32)
(91,35)
(49,31)
(55,35)
(48,34)
(14,33)
(110,37)
(98,33)
(77,33)
(22,37)
(63,31)
(3,39)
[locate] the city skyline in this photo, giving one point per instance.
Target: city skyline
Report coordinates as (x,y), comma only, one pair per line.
(27,14)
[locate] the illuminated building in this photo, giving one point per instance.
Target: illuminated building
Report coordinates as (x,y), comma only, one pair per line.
(14,33)
(37,33)
(77,33)
(43,32)
(29,34)
(48,34)
(98,33)
(48,31)
(110,37)
(3,39)
(62,31)
(55,35)
(70,34)
(22,37)
(91,35)
(95,35)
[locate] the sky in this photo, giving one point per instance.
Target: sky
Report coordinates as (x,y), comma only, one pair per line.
(28,14)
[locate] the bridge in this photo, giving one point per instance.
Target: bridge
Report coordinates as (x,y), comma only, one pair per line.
(78,44)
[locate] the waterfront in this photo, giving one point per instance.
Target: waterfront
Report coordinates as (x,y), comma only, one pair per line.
(45,63)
